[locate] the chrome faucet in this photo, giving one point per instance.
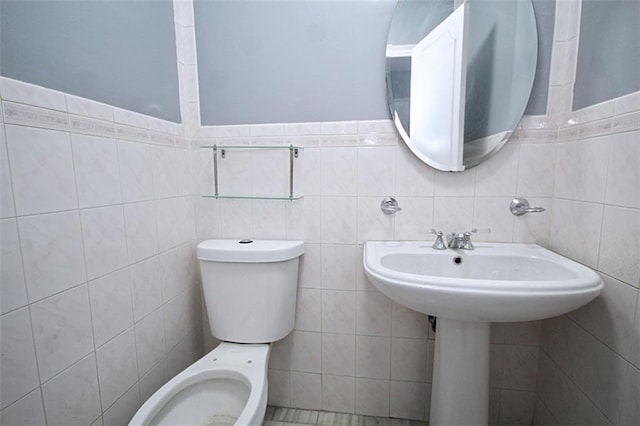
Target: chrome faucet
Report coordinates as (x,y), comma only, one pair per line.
(463,240)
(460,241)
(438,244)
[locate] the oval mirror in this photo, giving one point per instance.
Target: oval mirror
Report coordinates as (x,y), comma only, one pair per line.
(459,76)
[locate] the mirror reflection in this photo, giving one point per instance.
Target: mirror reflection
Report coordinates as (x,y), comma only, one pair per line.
(459,76)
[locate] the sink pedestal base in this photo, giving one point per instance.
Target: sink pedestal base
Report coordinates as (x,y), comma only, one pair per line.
(460,394)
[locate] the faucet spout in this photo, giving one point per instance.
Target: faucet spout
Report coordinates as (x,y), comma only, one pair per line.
(460,241)
(463,240)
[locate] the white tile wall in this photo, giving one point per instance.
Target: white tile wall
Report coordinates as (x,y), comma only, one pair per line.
(345,171)
(7,207)
(587,363)
(96,166)
(27,410)
(406,400)
(372,397)
(13,288)
(150,342)
(630,408)
(124,408)
(409,360)
(306,352)
(52,253)
(122,229)
(146,287)
(19,372)
(117,366)
(105,245)
(164,166)
(338,393)
(306,390)
(338,354)
(61,330)
(87,333)
(41,170)
(154,379)
(619,249)
(353,349)
(136,178)
(142,236)
(73,395)
(111,311)
(24,93)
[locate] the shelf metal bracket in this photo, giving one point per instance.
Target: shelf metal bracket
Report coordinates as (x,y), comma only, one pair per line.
(215,169)
(294,152)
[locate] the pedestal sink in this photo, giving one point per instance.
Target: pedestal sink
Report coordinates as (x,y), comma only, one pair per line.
(467,290)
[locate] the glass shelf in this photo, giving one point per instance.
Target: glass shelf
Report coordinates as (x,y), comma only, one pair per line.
(220,150)
(257,197)
(252,147)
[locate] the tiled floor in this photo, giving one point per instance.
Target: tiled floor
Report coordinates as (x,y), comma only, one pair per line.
(276,416)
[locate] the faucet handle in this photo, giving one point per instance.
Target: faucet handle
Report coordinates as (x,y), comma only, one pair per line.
(480,231)
(438,243)
(390,205)
(520,206)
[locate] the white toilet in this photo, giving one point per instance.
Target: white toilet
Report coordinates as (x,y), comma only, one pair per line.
(250,294)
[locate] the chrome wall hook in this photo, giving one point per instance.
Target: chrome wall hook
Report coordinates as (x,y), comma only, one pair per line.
(389,206)
(520,206)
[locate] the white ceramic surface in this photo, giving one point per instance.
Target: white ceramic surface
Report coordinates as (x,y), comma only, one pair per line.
(248,251)
(258,280)
(250,294)
(226,386)
(467,290)
(495,282)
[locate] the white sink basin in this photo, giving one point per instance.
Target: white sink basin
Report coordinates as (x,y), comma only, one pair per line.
(495,282)
(467,290)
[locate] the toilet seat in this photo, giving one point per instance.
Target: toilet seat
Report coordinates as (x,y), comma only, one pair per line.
(226,386)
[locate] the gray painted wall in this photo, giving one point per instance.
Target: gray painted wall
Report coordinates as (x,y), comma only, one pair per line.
(259,61)
(122,53)
(608,52)
(284,61)
(545,11)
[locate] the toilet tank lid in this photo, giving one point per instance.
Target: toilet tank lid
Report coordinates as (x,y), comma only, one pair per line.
(249,251)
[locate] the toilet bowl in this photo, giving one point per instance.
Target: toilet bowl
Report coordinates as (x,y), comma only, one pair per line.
(250,295)
(225,387)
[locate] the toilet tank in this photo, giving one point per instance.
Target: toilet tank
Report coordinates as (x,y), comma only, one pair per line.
(250,288)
